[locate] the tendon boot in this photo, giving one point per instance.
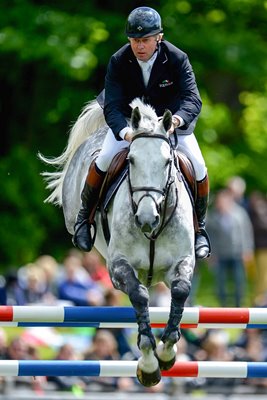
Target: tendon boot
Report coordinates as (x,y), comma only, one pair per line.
(202,241)
(82,237)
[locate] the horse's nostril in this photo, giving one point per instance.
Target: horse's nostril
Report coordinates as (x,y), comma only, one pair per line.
(156,222)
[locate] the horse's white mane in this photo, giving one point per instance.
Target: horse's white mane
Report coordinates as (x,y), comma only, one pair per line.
(90,119)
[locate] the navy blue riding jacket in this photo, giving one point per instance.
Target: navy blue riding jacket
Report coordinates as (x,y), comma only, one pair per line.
(172,86)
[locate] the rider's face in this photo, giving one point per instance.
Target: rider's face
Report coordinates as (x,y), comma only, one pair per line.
(144,48)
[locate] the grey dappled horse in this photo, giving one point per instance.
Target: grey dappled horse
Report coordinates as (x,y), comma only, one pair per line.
(150,221)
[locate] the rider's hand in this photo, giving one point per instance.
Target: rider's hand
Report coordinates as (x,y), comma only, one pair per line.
(175,124)
(128,136)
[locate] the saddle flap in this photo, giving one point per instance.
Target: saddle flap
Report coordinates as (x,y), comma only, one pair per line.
(189,176)
(188,173)
(117,166)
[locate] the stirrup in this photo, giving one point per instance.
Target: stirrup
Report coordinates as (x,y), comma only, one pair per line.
(203,248)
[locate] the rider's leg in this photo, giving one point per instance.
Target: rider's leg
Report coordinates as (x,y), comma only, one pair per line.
(189,146)
(85,219)
(82,237)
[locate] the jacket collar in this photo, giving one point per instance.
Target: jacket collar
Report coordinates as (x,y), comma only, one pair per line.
(158,66)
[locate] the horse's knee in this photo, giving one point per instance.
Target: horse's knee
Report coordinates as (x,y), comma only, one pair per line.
(121,274)
(123,278)
(139,296)
(180,290)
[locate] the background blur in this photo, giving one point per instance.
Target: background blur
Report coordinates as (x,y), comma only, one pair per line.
(53,58)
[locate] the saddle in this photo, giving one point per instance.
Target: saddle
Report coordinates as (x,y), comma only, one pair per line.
(117,172)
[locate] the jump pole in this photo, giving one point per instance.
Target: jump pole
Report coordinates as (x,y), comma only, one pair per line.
(207,369)
(119,317)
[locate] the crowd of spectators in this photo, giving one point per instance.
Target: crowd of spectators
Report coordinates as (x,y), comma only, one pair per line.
(237,225)
(238,230)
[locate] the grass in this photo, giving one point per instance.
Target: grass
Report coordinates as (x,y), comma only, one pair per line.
(204,288)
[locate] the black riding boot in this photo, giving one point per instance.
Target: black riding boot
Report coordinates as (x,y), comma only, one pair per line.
(82,237)
(202,241)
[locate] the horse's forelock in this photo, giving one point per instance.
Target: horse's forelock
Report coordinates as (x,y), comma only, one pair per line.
(145,109)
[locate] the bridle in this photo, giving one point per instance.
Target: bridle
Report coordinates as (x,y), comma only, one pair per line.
(161,209)
(148,189)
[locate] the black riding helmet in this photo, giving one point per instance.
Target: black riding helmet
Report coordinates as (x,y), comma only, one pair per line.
(142,22)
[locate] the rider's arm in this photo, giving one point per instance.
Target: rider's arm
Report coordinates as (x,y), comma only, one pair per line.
(115,101)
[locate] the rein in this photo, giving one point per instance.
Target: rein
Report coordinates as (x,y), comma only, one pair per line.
(165,193)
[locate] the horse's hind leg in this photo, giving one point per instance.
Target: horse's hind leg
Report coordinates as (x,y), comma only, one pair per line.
(124,279)
(166,350)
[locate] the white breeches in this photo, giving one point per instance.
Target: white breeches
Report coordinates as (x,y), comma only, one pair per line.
(110,148)
(187,144)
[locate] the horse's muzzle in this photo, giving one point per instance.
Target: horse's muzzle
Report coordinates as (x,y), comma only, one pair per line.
(147,226)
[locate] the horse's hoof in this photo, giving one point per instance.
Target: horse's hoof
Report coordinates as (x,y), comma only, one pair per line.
(166,365)
(148,379)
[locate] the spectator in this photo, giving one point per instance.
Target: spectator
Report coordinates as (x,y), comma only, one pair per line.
(31,284)
(216,348)
(104,347)
(252,346)
(50,267)
(237,187)
(96,269)
(19,350)
(77,286)
(74,384)
(11,291)
(114,298)
(233,245)
(258,216)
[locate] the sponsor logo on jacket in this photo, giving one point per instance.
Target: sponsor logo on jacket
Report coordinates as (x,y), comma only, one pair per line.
(165,83)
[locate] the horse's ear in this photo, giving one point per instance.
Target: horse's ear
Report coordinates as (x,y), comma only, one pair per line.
(167,120)
(136,118)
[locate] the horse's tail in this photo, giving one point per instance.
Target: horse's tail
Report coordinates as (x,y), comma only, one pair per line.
(90,119)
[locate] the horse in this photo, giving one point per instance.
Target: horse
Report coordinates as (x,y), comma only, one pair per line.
(150,220)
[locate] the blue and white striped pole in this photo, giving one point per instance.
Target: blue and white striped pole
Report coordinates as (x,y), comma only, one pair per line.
(207,369)
(115,317)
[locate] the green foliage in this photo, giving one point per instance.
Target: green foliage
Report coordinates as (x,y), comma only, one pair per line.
(53,58)
(226,42)
(25,221)
(63,41)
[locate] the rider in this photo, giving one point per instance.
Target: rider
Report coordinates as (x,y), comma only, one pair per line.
(161,74)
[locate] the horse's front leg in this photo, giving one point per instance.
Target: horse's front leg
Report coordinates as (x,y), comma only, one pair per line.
(124,279)
(166,349)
